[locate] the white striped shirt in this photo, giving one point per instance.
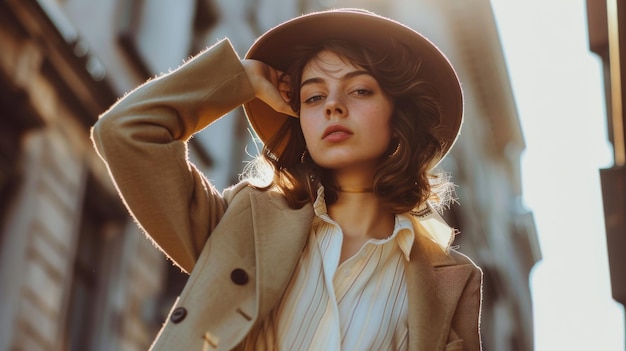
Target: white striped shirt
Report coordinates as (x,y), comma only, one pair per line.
(360,304)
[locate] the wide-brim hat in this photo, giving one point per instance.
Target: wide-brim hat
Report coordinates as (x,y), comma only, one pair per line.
(273,48)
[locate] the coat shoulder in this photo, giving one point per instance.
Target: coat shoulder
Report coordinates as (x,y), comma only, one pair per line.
(245,190)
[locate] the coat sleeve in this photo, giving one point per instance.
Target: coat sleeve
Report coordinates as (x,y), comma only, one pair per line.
(143,138)
(466,321)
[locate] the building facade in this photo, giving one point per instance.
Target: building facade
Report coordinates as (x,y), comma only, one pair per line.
(75,271)
(607,38)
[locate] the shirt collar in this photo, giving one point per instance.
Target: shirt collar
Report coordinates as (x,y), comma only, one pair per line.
(319,206)
(403,232)
(429,223)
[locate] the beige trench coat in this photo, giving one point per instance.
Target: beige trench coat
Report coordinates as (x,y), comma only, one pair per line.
(241,247)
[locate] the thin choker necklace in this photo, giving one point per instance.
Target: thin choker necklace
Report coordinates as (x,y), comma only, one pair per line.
(355,190)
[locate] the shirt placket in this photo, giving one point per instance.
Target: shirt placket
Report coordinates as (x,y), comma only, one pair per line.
(350,270)
(330,261)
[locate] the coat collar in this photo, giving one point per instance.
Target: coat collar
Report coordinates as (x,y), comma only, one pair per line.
(435,283)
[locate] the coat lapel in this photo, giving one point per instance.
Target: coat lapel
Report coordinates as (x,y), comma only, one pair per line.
(434,285)
(280,234)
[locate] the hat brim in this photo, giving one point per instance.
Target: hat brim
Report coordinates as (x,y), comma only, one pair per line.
(359,26)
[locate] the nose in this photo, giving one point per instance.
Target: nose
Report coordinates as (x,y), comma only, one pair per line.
(335,107)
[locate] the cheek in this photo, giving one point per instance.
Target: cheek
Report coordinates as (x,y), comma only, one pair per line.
(385,136)
(382,126)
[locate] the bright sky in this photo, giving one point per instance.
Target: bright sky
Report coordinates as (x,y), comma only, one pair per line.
(559,93)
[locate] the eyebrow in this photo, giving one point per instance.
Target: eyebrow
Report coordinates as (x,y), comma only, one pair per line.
(349,75)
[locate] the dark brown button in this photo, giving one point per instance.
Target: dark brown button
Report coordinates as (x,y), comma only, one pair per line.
(178,315)
(239,276)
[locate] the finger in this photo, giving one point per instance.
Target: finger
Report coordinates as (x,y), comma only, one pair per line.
(282,106)
(270,86)
(279,95)
(284,86)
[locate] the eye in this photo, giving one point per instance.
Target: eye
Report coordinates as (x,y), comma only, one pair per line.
(313,99)
(362,92)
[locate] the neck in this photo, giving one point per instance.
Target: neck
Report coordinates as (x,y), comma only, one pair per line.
(360,214)
(354,181)
(355,190)
(358,211)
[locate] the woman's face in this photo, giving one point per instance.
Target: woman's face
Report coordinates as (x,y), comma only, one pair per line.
(344,114)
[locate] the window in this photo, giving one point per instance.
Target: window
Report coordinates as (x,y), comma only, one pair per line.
(98,251)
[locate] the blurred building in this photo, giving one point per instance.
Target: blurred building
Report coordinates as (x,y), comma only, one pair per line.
(77,274)
(607,38)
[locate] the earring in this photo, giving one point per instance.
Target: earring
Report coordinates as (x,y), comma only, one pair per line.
(395,151)
(304,153)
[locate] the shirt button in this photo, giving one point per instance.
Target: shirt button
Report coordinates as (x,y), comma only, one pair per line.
(239,276)
(178,315)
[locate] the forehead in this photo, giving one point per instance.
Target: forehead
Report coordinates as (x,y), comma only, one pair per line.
(327,62)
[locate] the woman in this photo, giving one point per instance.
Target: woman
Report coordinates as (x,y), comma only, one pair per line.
(341,249)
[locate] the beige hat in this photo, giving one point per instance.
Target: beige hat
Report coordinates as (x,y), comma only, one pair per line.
(273,48)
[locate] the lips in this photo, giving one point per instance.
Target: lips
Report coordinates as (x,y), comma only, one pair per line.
(336,133)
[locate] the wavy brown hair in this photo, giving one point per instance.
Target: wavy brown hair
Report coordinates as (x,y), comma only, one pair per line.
(403,178)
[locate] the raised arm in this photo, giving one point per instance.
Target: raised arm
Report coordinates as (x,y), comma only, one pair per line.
(143,140)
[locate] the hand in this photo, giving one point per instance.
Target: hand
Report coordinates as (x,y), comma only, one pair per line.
(268,87)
